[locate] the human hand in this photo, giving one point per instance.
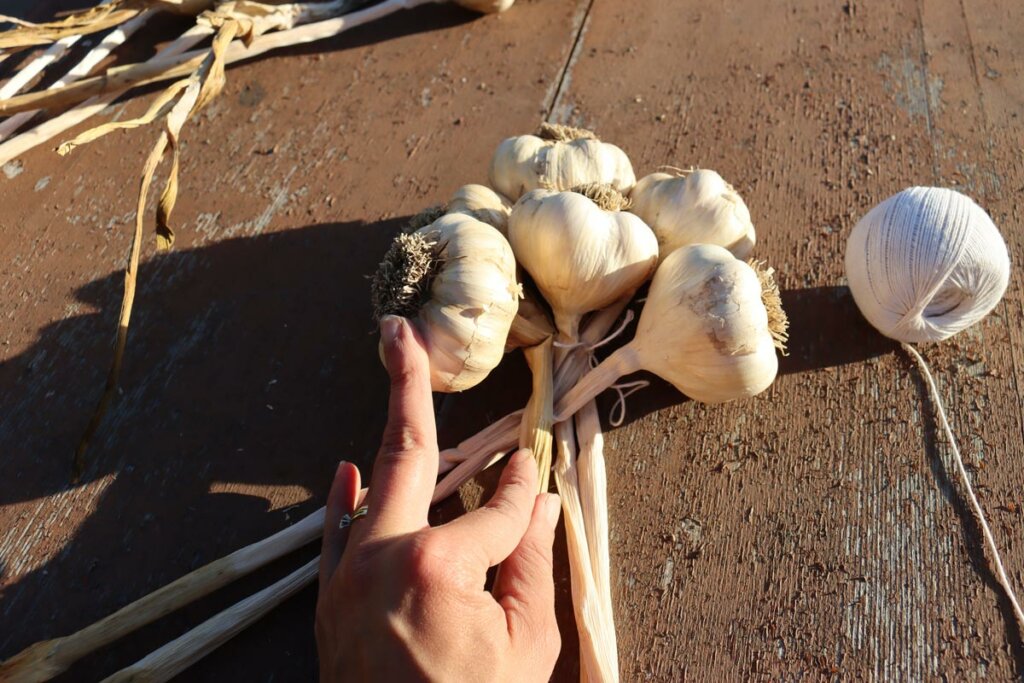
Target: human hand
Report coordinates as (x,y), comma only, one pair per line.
(400,600)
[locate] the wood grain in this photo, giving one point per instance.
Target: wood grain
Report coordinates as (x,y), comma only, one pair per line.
(814,532)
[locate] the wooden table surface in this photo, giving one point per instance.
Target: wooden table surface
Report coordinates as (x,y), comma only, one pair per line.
(812,533)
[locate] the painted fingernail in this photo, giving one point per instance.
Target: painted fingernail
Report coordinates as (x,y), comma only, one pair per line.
(389,327)
(552,508)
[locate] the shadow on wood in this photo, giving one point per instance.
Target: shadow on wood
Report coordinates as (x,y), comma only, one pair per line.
(251,370)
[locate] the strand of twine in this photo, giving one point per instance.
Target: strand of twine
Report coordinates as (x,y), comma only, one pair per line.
(979,515)
(624,390)
(626,320)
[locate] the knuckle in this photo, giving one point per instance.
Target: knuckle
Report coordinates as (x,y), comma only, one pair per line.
(402,439)
(428,556)
(404,375)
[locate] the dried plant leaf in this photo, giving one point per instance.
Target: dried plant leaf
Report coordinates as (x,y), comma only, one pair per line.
(128,298)
(115,79)
(203,87)
(593,490)
(91,20)
(198,90)
(595,662)
(159,108)
(538,418)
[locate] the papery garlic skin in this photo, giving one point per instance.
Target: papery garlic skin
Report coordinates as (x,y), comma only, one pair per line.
(696,208)
(528,162)
(581,257)
(482,202)
(455,279)
(486,6)
(704,327)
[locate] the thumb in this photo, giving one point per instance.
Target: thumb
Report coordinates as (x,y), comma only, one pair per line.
(525,586)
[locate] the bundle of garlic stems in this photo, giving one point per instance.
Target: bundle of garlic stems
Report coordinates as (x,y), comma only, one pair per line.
(47,659)
(118,80)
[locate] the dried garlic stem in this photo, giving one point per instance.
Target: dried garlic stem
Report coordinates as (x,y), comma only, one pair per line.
(535,431)
(93,20)
(46,131)
(82,69)
(499,432)
(179,654)
(20,80)
(47,659)
(154,71)
(500,435)
(595,663)
(593,486)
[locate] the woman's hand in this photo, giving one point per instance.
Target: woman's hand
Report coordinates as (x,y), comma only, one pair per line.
(402,601)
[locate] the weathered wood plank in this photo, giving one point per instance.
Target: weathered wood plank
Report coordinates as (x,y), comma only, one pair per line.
(252,364)
(810,532)
(813,531)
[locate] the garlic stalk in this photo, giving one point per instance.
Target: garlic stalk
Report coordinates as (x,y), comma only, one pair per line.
(593,490)
(46,659)
(597,662)
(170,660)
(710,327)
(697,207)
(582,251)
(538,417)
(455,279)
(531,325)
(558,158)
(500,436)
(111,41)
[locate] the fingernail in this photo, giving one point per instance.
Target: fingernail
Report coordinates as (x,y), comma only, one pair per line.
(389,327)
(552,508)
(521,455)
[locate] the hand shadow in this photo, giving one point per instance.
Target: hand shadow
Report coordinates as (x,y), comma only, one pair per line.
(250,363)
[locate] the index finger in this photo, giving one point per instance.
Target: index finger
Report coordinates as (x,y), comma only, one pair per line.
(405,470)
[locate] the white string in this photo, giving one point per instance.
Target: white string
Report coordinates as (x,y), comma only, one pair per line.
(979,515)
(624,390)
(626,320)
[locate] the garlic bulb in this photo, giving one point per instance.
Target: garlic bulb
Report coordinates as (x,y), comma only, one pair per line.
(583,255)
(558,158)
(925,264)
(482,202)
(698,207)
(486,6)
(710,326)
(455,279)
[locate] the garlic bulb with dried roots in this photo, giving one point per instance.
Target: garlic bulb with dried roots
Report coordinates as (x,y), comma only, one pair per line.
(482,202)
(697,207)
(710,326)
(558,158)
(456,280)
(582,251)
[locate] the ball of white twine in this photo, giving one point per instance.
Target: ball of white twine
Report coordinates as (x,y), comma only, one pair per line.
(925,264)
